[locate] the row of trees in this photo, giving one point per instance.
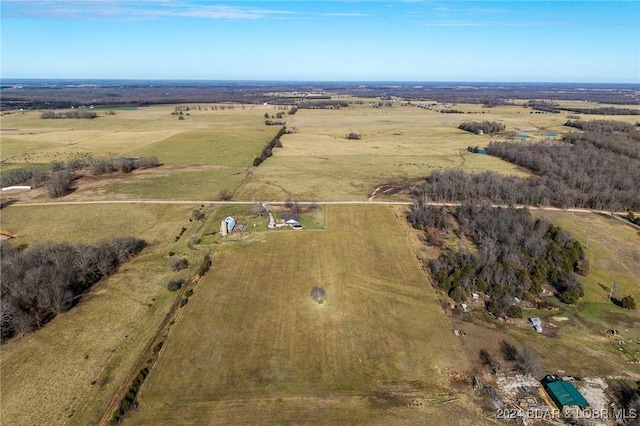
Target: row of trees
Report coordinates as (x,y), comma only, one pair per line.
(605,111)
(552,107)
(59,181)
(593,169)
(486,127)
(102,165)
(23,176)
(68,114)
(514,256)
(323,103)
(48,278)
(267,151)
(616,136)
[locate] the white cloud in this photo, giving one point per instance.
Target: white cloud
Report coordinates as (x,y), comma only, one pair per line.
(127,9)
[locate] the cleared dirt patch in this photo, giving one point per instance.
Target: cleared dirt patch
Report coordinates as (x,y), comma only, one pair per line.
(389,189)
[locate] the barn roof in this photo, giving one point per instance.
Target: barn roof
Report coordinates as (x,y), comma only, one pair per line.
(565,394)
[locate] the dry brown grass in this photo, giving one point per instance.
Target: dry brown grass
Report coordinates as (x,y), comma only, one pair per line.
(224,140)
(251,342)
(67,371)
(398,144)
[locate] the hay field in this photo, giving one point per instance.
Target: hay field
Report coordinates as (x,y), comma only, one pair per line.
(66,372)
(399,144)
(207,151)
(251,346)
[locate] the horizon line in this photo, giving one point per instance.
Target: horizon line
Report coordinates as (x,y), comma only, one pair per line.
(294,81)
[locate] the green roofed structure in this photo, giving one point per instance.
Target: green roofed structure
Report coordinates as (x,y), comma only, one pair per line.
(564,394)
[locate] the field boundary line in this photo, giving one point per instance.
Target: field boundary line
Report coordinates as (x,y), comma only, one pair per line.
(147,352)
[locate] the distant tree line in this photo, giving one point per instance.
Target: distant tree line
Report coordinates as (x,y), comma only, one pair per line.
(589,170)
(40,282)
(617,136)
(544,106)
(487,127)
(604,127)
(491,103)
(552,107)
(605,111)
(514,256)
(68,114)
(267,151)
(35,95)
(323,104)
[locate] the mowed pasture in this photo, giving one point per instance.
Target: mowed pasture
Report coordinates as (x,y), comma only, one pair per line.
(67,371)
(252,347)
(209,150)
(398,144)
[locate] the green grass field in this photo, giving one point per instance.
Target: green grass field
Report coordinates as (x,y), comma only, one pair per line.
(251,343)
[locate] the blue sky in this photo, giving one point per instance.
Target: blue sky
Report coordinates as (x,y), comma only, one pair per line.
(413,40)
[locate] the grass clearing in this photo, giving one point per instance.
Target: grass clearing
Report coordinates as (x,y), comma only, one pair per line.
(252,337)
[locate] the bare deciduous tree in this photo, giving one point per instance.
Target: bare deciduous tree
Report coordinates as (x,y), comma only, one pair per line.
(509,351)
(197,215)
(318,294)
(178,263)
(528,362)
(224,195)
(59,183)
(487,360)
(258,209)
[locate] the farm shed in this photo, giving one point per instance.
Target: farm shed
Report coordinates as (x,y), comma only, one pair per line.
(227,225)
(536,323)
(564,394)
